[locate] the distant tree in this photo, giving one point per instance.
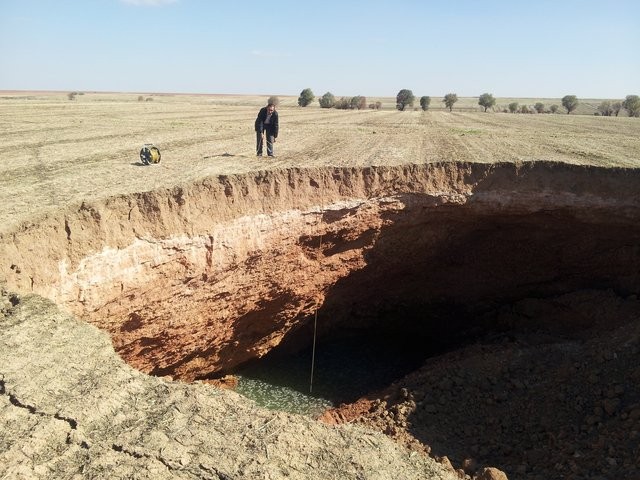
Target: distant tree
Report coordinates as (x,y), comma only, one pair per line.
(539,107)
(513,107)
(486,100)
(358,102)
(72,95)
(273,100)
(425,102)
(375,106)
(616,107)
(554,108)
(524,109)
(570,103)
(632,105)
(306,97)
(605,109)
(327,100)
(449,99)
(343,104)
(404,99)
(140,98)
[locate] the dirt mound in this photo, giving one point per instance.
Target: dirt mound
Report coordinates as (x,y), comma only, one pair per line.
(539,403)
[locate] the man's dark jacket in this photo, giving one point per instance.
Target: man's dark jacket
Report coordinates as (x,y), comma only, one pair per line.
(271,128)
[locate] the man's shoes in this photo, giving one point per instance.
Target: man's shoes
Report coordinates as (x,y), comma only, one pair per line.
(272,156)
(258,154)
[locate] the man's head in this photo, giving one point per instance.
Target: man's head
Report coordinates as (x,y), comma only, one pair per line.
(271,107)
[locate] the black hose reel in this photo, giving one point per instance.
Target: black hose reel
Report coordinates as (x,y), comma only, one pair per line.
(149,154)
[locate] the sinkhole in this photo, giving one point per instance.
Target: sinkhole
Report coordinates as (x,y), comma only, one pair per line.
(385,267)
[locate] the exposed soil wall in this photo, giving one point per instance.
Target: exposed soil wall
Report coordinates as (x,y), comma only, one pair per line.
(200,278)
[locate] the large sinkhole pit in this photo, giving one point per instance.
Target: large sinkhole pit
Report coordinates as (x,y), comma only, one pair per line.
(394,270)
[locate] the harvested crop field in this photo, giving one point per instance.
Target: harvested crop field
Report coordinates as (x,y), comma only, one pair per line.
(56,152)
(501,249)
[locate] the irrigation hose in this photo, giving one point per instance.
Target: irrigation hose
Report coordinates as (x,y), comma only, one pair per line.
(315,320)
(313,353)
(150,154)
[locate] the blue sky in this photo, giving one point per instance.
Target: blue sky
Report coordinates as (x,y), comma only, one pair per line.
(516,48)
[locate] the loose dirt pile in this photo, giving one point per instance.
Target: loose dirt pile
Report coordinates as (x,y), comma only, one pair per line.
(538,402)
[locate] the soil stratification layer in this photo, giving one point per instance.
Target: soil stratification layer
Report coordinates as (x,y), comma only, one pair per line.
(193,281)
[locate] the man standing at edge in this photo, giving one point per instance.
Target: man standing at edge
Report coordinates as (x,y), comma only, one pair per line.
(267,125)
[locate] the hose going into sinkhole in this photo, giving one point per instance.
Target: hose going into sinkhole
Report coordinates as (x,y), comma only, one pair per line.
(315,317)
(313,352)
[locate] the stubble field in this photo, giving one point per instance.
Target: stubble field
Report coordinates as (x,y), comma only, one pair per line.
(56,152)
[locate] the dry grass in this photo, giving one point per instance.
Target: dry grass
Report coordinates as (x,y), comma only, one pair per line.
(55,151)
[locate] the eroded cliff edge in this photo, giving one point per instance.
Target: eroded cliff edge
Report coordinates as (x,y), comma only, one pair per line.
(192,281)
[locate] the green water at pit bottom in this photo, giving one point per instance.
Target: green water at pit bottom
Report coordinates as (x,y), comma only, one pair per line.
(345,370)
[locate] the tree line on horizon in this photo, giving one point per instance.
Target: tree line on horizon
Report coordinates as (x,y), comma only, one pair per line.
(406,99)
